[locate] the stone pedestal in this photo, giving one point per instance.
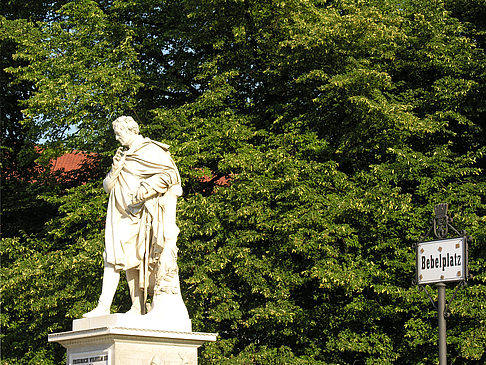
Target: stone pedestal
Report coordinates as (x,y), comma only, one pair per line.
(116,340)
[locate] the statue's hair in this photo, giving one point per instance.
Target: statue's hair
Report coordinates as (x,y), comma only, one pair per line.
(126,123)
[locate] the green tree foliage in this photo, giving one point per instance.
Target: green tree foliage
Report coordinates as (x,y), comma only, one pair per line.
(89,63)
(339,123)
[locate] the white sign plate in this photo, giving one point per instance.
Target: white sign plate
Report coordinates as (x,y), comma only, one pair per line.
(89,358)
(441,261)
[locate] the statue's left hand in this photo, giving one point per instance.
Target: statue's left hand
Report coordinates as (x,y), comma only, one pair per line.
(138,199)
(141,194)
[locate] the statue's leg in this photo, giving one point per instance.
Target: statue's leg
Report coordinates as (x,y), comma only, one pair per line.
(111,277)
(133,280)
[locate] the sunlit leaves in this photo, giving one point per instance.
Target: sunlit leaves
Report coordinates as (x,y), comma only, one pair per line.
(83,69)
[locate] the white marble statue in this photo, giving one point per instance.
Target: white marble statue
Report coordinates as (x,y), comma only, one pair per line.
(141,231)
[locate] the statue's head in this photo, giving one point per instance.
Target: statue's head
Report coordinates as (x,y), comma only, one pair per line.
(126,129)
(126,123)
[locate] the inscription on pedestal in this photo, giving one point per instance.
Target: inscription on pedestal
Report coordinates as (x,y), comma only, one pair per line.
(89,358)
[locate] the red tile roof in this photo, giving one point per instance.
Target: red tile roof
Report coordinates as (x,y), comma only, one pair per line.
(70,161)
(74,160)
(72,166)
(221,181)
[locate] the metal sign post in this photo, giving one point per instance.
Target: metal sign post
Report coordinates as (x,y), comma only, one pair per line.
(441,261)
(441,306)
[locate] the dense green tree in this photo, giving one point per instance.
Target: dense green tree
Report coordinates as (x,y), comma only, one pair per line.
(339,124)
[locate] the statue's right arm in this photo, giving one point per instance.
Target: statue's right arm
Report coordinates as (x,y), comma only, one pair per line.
(110,179)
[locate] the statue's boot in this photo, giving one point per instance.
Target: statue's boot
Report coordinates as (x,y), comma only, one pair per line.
(111,277)
(133,280)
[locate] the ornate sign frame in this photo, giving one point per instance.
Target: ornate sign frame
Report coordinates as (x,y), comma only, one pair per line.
(442,261)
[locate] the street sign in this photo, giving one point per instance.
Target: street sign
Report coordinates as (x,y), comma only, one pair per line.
(442,261)
(439,262)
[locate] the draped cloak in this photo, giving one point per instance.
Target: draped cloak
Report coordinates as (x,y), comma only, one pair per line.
(135,232)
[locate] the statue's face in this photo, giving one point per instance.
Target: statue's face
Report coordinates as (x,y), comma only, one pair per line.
(124,136)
